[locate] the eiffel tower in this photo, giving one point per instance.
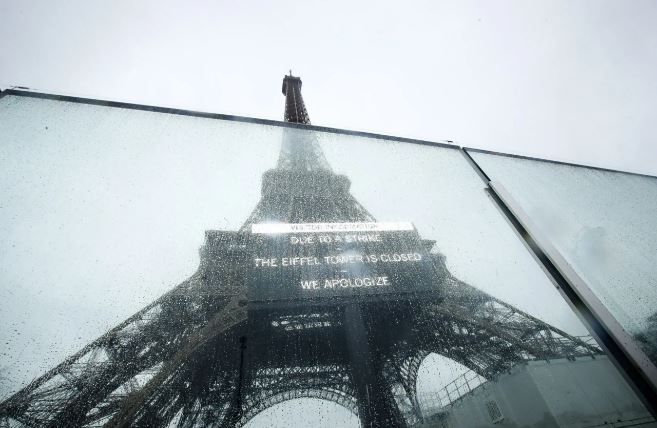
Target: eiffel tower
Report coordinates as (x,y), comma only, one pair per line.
(223,346)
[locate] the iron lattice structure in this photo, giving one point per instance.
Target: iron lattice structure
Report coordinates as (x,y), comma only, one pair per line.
(202,356)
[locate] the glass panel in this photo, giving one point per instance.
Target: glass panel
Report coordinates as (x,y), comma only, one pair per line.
(603,223)
(341,280)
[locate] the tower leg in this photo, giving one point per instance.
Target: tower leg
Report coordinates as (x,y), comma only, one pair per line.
(376,405)
(235,411)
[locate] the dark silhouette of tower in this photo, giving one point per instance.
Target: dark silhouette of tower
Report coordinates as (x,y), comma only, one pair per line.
(236,338)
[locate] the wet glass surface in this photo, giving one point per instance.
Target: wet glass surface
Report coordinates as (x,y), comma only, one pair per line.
(603,223)
(340,280)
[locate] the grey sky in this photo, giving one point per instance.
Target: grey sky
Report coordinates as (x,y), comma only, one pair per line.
(570,80)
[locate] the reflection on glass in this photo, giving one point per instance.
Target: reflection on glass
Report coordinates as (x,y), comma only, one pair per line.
(391,286)
(603,223)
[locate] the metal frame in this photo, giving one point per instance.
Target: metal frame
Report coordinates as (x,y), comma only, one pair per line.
(640,373)
(633,364)
(492,152)
(182,112)
(449,144)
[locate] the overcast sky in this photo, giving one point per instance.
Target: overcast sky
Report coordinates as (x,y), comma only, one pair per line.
(568,80)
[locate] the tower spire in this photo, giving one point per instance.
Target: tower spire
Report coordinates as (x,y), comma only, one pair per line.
(303,176)
(299,150)
(295,109)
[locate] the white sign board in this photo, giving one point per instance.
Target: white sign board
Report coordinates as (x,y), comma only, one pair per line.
(274,228)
